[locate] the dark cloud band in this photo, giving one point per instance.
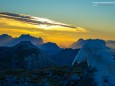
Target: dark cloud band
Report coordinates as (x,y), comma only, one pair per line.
(31,20)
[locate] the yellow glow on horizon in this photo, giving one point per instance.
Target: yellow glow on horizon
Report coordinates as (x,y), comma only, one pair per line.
(62,39)
(11,22)
(63,36)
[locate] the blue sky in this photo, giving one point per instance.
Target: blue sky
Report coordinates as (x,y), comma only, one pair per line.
(81,13)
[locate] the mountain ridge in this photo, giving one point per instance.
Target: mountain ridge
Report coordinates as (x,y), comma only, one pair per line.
(24,37)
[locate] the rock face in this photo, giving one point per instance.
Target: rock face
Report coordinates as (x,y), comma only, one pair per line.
(98,57)
(23,56)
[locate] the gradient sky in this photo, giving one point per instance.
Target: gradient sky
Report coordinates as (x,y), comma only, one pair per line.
(98,20)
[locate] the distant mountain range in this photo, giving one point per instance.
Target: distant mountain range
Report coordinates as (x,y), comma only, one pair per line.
(26,45)
(78,44)
(81,42)
(49,47)
(6,40)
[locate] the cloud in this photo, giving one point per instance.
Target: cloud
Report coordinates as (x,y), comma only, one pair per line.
(22,20)
(102,3)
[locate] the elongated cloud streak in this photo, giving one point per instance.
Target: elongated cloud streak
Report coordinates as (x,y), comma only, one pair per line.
(40,23)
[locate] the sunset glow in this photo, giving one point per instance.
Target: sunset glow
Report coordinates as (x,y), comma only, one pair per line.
(61,21)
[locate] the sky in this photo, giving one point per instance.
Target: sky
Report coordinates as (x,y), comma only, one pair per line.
(85,18)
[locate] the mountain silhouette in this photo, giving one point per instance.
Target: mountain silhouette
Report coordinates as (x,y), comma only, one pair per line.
(4,39)
(78,44)
(50,48)
(7,40)
(24,55)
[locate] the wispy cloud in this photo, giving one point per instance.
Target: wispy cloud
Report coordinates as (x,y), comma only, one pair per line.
(14,19)
(103,3)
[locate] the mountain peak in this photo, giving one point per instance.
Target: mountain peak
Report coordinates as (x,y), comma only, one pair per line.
(5,36)
(25,36)
(78,44)
(50,45)
(98,42)
(7,40)
(50,48)
(81,39)
(4,39)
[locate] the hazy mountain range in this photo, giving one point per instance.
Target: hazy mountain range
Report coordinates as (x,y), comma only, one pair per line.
(28,52)
(91,59)
(7,40)
(81,42)
(29,47)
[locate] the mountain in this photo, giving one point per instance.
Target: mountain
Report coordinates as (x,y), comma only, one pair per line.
(26,37)
(111,47)
(100,59)
(65,56)
(24,55)
(81,42)
(4,39)
(78,44)
(110,44)
(50,48)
